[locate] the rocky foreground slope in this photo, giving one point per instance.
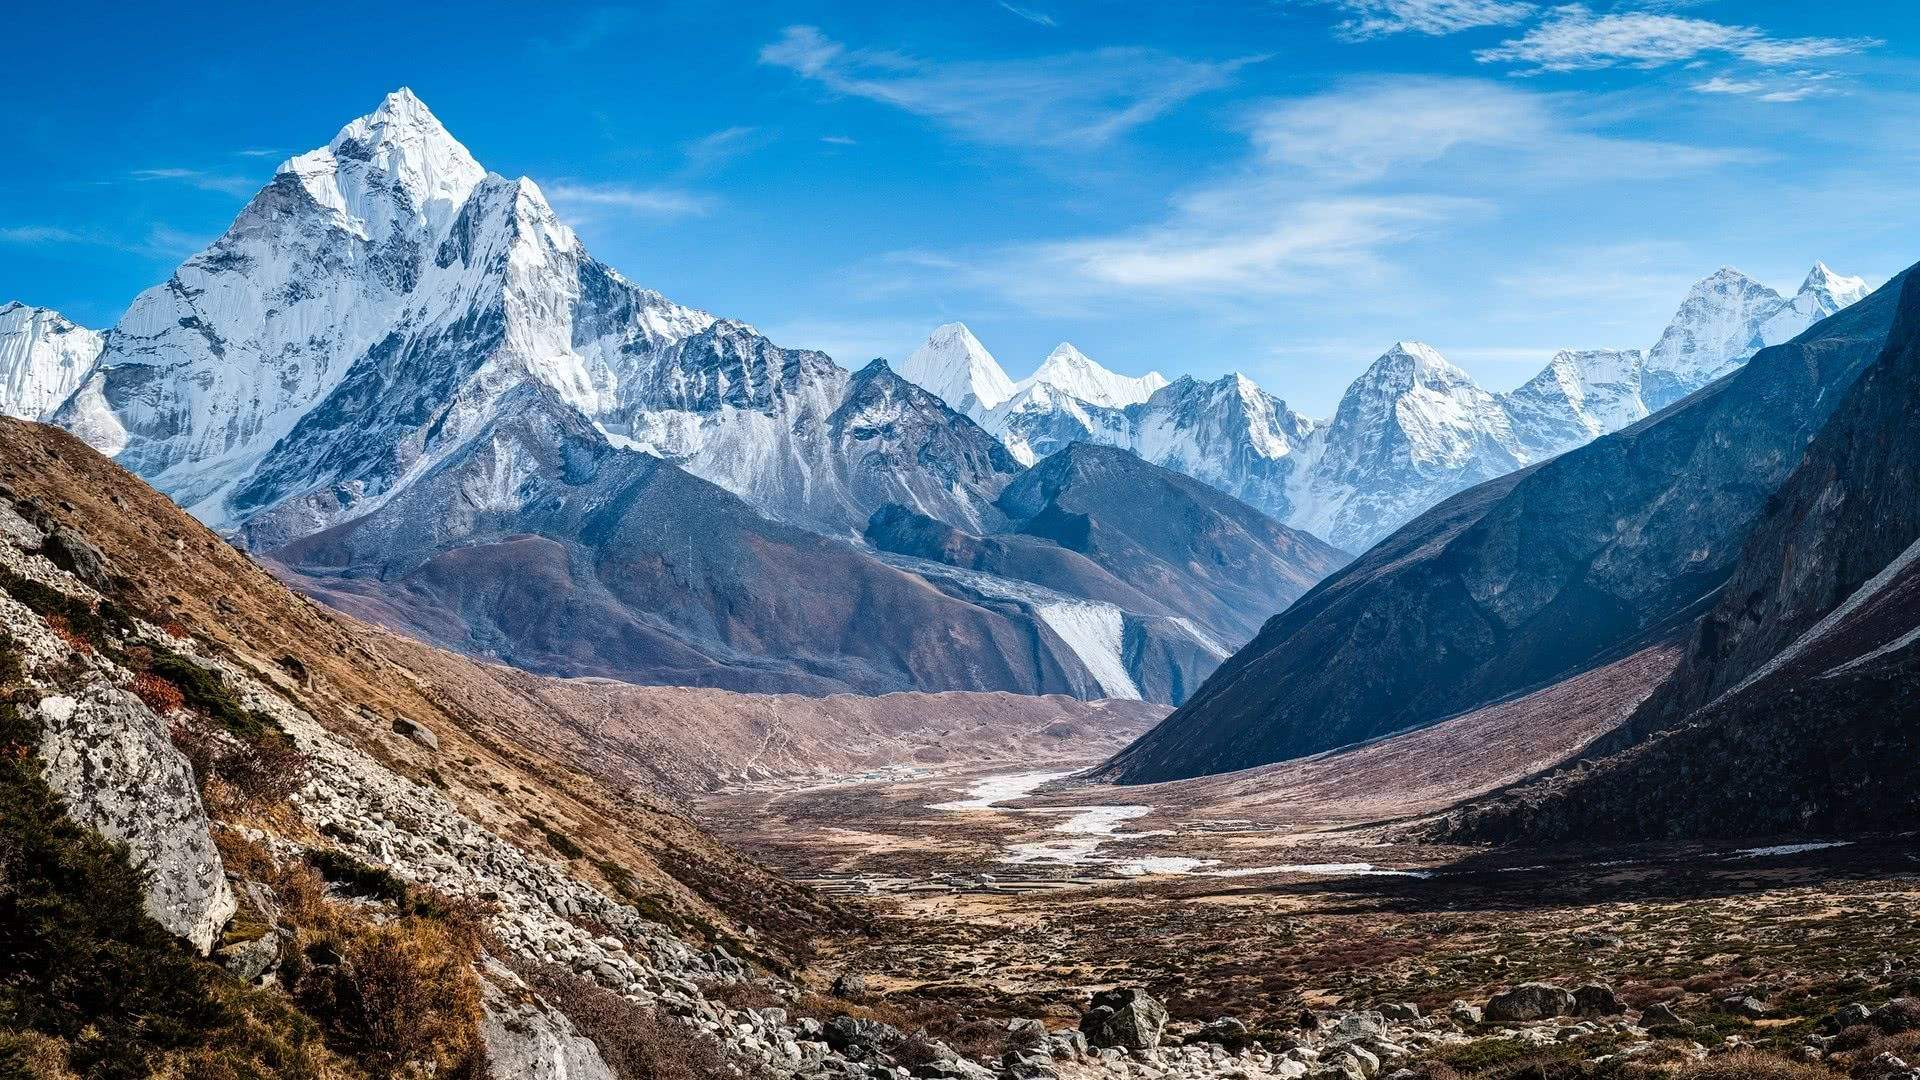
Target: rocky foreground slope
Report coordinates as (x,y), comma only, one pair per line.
(1526,579)
(372,870)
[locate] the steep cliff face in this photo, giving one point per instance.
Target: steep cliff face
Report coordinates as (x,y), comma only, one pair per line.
(1528,578)
(1797,705)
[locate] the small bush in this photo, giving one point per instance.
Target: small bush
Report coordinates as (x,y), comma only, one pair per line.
(206,693)
(557,840)
(1753,1065)
(159,695)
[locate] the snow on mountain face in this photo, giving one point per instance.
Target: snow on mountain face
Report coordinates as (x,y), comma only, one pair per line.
(43,357)
(1579,396)
(1728,317)
(1410,431)
(369,310)
(1069,370)
(955,367)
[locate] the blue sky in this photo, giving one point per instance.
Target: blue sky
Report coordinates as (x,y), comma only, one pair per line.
(1280,188)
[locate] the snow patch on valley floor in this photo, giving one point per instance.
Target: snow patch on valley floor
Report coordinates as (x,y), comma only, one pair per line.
(984,793)
(1787,849)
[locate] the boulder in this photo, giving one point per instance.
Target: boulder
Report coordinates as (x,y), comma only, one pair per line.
(416,731)
(848,984)
(1661,1014)
(253,959)
(1529,1001)
(1127,1019)
(1464,1014)
(1745,1005)
(1596,999)
(527,1038)
(1227,1031)
(1358,1025)
(115,766)
(1400,1012)
(859,1038)
(74,553)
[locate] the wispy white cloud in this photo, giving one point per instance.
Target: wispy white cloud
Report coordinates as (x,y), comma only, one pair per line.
(1796,86)
(840,140)
(159,241)
(1374,18)
(1037,18)
(717,148)
(1573,38)
(225,183)
(259,152)
(628,198)
(1076,100)
(40,234)
(1333,186)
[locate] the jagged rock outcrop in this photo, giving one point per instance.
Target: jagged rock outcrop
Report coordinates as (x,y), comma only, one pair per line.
(111,760)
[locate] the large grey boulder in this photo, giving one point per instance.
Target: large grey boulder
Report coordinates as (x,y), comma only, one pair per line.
(1125,1019)
(1529,1001)
(112,762)
(529,1040)
(75,554)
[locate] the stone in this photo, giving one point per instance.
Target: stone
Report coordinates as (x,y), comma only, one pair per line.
(1227,1031)
(113,763)
(1127,1018)
(252,960)
(1529,1001)
(1400,1011)
(1353,1062)
(1847,1016)
(1351,1026)
(527,1038)
(848,984)
(416,731)
(1464,1014)
(1071,1043)
(1661,1014)
(1596,999)
(74,553)
(17,530)
(1745,1005)
(853,1036)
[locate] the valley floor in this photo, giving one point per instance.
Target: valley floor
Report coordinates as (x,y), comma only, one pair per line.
(989,896)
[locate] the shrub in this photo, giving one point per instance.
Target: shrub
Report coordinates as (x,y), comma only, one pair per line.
(159,695)
(399,996)
(206,693)
(1753,1065)
(557,840)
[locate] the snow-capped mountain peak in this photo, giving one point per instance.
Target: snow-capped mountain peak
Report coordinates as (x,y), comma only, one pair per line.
(1074,372)
(1838,289)
(1410,364)
(400,145)
(43,357)
(955,367)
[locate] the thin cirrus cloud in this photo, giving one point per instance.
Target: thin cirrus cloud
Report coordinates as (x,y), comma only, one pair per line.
(1070,101)
(628,199)
(1797,86)
(1375,18)
(1573,38)
(1332,185)
(715,149)
(201,179)
(1037,18)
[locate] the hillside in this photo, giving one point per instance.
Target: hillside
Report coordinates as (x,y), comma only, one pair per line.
(1526,579)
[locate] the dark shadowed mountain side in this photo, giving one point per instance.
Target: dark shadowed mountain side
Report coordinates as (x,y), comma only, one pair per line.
(1797,706)
(1191,572)
(542,546)
(1528,578)
(1207,555)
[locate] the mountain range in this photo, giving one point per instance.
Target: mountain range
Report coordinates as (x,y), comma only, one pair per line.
(405,382)
(1410,431)
(1532,578)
